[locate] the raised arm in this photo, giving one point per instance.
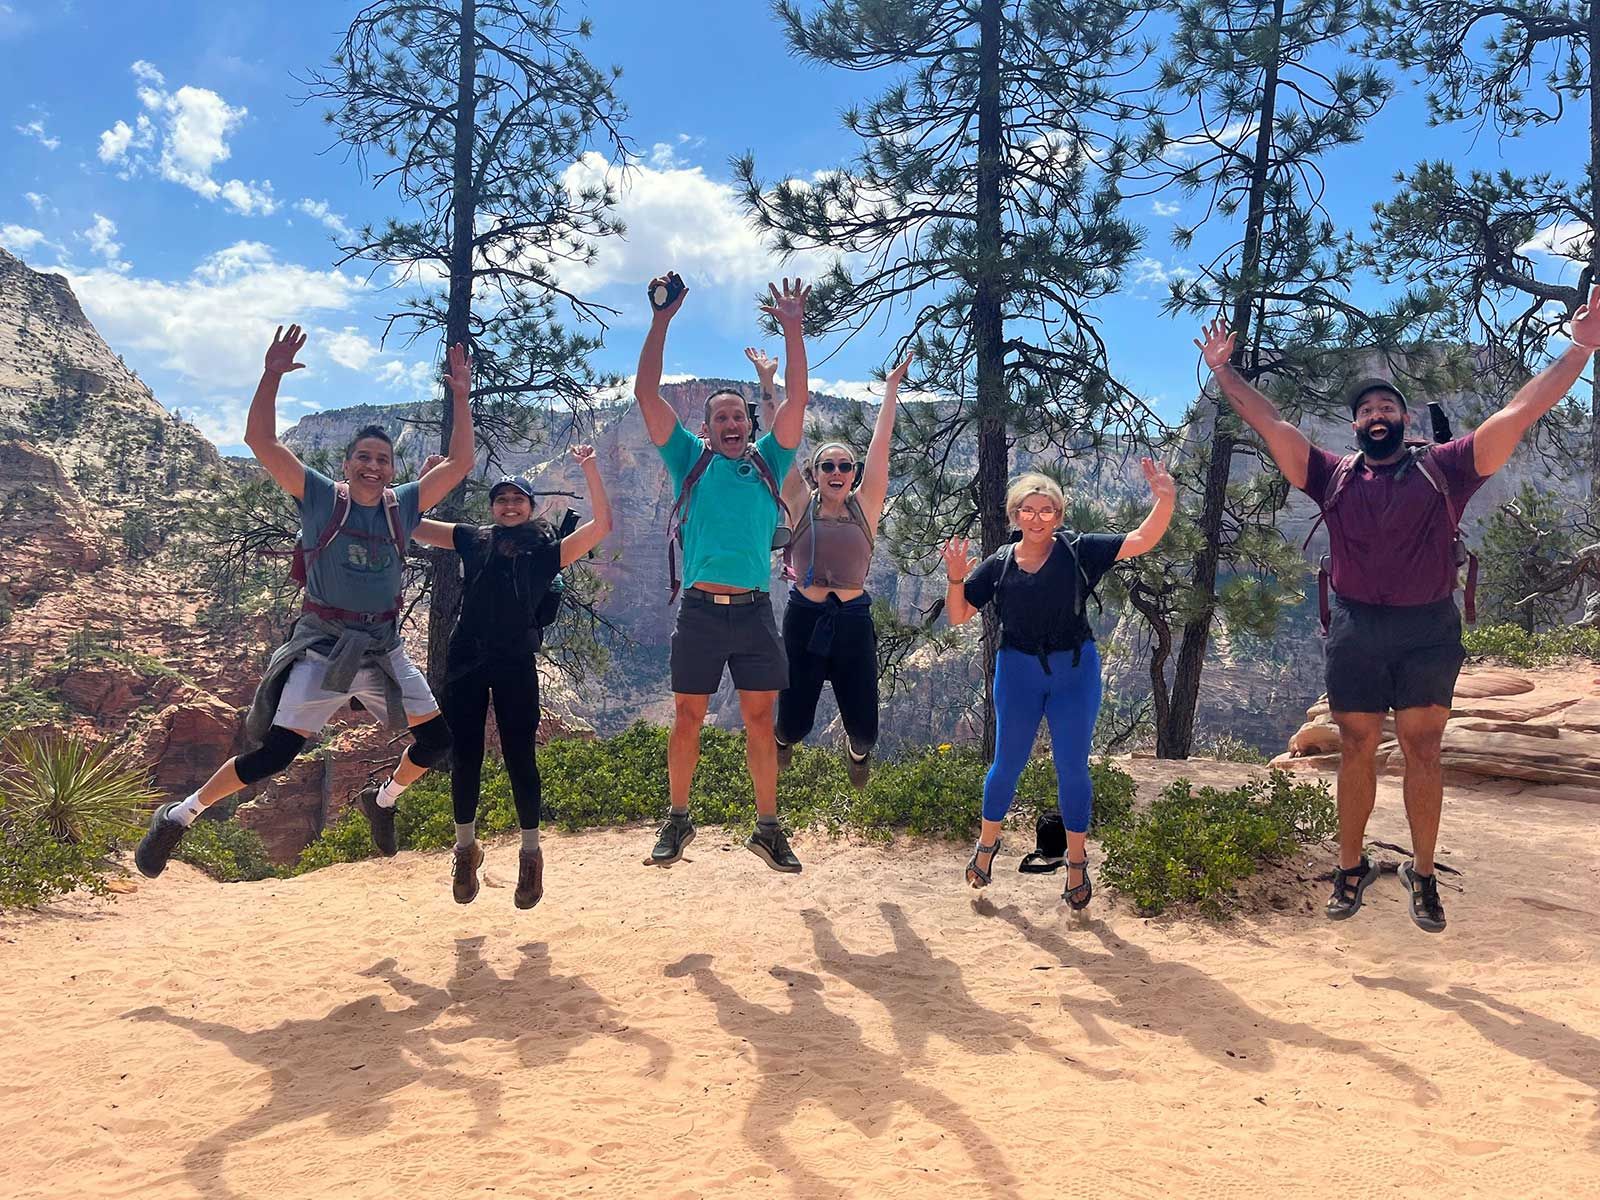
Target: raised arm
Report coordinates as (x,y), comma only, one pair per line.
(958,564)
(788,308)
(875,478)
(1165,494)
(794,490)
(462,452)
(1499,434)
(588,535)
(435,533)
(659,419)
(1287,445)
(261,426)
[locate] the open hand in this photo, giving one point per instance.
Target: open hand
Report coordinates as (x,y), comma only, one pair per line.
(1217,348)
(459,372)
(280,355)
(788,307)
(583,455)
(958,560)
(1160,480)
(897,374)
(766,366)
(1586,322)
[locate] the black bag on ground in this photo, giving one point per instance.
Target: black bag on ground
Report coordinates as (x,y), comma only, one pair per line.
(1050,847)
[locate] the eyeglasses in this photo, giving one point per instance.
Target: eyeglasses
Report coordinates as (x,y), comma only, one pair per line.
(829,467)
(1037,514)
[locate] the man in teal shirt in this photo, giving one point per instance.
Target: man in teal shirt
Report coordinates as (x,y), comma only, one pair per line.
(725,619)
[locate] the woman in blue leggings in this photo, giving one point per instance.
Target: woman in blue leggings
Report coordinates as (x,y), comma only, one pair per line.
(1047,666)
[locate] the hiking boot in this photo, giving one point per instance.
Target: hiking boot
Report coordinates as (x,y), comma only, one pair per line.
(381,820)
(773,849)
(158,842)
(676,834)
(464,873)
(530,878)
(1426,911)
(859,769)
(785,755)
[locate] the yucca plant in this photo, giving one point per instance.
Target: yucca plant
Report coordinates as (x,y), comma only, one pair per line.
(75,789)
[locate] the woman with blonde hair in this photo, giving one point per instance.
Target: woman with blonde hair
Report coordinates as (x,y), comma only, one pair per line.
(1047,666)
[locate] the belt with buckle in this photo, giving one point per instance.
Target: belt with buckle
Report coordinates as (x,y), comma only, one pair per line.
(728,597)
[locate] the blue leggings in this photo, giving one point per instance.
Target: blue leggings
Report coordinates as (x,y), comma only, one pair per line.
(1069,699)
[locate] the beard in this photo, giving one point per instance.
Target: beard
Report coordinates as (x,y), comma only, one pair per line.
(1383,447)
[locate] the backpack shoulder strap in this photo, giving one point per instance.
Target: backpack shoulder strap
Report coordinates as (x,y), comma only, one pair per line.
(336,518)
(859,516)
(1085,588)
(676,516)
(1330,496)
(391,510)
(1430,471)
(764,469)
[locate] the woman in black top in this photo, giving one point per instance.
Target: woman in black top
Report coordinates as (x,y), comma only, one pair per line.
(511,570)
(1047,667)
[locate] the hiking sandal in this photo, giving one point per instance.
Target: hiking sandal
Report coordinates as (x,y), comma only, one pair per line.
(976,876)
(1349,885)
(1426,911)
(1071,894)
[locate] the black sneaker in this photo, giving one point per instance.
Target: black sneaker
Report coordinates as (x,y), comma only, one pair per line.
(676,834)
(859,769)
(382,821)
(158,842)
(464,873)
(530,878)
(1349,885)
(773,849)
(1426,911)
(785,755)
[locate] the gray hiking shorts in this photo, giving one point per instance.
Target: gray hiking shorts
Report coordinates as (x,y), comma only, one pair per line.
(741,637)
(1382,657)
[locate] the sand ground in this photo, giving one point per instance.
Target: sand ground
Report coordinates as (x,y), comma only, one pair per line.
(867,1028)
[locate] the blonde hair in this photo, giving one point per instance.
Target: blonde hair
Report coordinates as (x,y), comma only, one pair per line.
(1033,484)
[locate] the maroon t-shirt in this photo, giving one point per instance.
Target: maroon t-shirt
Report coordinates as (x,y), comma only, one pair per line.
(1389,537)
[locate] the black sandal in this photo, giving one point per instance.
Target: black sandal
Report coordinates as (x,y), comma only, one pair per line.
(976,876)
(1349,885)
(1071,894)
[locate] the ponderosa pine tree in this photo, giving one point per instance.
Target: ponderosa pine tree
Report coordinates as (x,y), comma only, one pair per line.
(981,210)
(475,111)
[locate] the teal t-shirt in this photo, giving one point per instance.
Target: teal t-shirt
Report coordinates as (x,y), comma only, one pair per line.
(358,570)
(727,530)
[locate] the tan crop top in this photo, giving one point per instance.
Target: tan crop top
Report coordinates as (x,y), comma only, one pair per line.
(831,552)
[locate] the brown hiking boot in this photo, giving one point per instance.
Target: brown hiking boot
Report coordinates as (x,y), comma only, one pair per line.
(464,873)
(530,878)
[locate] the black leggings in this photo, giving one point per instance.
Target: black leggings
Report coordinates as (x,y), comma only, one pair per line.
(514,683)
(849,661)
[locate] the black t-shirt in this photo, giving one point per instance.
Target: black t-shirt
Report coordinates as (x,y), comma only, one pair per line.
(506,578)
(1040,611)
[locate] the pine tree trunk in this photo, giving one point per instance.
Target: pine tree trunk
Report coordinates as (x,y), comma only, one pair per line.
(988,335)
(1592,276)
(1175,736)
(445,595)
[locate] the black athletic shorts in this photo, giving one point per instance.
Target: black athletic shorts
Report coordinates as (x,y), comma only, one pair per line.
(1390,656)
(742,637)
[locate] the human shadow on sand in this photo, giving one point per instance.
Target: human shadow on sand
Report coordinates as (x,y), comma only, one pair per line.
(810,1052)
(1515,1029)
(1177,1000)
(309,1062)
(926,994)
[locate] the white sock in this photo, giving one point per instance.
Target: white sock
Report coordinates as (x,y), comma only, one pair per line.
(850,746)
(390,792)
(186,811)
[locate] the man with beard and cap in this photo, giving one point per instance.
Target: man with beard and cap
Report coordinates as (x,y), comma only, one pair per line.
(726,517)
(1394,634)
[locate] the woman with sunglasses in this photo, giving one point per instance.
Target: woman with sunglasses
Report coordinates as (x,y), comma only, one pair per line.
(1047,666)
(828,632)
(511,569)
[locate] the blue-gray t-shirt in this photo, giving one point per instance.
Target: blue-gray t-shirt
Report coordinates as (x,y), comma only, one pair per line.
(359,570)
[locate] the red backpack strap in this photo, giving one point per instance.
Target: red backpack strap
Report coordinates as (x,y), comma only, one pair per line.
(676,517)
(1431,472)
(767,477)
(1331,494)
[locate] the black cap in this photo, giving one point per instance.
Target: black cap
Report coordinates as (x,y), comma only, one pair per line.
(512,481)
(1374,384)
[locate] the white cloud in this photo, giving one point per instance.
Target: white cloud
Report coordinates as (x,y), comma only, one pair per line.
(19,239)
(1152,272)
(211,328)
(101,237)
(35,129)
(348,348)
(1163,209)
(415,380)
(192,127)
(664,155)
(38,201)
(1566,239)
(319,210)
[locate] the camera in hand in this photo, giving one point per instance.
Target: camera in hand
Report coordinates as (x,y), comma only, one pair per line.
(666,290)
(1441,422)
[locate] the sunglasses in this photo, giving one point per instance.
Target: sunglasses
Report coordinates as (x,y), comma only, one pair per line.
(828,468)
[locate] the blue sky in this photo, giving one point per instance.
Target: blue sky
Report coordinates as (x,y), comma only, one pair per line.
(157,154)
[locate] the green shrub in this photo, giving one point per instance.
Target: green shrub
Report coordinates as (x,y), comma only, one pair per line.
(1516,646)
(1194,846)
(36,868)
(1227,748)
(225,850)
